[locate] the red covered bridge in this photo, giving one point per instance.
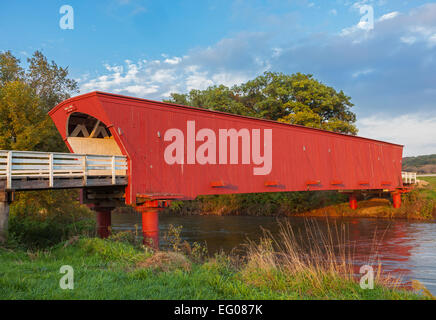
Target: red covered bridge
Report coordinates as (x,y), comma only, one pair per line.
(179,152)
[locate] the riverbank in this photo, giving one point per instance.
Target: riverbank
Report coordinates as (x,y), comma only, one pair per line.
(419,204)
(416,209)
(115,269)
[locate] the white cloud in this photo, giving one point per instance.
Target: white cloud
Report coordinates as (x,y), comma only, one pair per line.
(139,90)
(156,80)
(363,72)
(174,60)
(389,16)
(198,80)
(408,40)
(417,132)
(432,40)
(229,78)
(229,62)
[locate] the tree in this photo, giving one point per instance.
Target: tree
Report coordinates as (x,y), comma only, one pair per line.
(10,69)
(50,81)
(25,98)
(24,124)
(295,99)
(218,98)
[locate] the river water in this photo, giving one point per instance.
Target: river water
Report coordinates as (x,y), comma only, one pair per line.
(405,249)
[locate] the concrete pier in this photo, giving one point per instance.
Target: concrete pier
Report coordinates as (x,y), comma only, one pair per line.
(5,199)
(103,217)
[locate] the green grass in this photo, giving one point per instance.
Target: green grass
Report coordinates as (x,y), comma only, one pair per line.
(430,191)
(106,269)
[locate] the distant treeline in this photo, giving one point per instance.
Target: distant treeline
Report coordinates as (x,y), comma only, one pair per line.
(420,164)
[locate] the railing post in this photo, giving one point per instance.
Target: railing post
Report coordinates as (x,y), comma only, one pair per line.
(85,173)
(113,171)
(50,170)
(9,171)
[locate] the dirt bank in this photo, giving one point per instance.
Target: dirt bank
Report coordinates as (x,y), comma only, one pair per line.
(374,208)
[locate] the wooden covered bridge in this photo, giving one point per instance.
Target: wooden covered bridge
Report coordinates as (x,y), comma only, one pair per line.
(146,153)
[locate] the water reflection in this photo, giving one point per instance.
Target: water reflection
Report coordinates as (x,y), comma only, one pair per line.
(404,248)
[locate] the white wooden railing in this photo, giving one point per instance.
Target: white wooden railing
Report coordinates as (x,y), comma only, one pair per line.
(408,177)
(50,165)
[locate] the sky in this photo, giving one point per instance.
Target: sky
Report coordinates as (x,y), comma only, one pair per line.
(381,53)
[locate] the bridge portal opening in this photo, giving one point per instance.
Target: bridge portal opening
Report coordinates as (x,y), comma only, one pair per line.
(88,135)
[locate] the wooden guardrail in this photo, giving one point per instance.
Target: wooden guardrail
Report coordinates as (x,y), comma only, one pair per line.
(408,177)
(37,170)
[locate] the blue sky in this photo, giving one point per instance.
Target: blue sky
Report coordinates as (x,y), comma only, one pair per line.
(151,48)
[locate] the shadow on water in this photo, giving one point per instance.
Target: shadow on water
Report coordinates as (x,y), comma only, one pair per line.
(405,249)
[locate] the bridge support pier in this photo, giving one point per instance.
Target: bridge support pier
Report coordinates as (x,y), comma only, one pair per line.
(150,226)
(5,199)
(353,201)
(102,201)
(150,221)
(103,217)
(396,200)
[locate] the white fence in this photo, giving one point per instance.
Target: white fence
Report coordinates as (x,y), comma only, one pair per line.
(408,177)
(50,165)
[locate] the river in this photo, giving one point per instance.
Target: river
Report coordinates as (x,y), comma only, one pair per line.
(406,249)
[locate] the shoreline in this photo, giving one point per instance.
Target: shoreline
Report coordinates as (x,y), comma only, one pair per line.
(418,204)
(376,208)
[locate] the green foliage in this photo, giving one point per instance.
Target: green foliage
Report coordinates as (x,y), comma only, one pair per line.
(421,164)
(25,125)
(218,98)
(257,204)
(430,190)
(197,251)
(127,237)
(45,218)
(50,82)
(415,203)
(10,69)
(295,99)
(173,237)
(110,251)
(419,160)
(25,98)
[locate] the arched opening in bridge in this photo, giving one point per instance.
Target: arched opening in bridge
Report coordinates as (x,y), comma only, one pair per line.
(88,135)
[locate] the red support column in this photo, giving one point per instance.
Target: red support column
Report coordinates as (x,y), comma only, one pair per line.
(353,202)
(103,216)
(150,221)
(150,226)
(396,199)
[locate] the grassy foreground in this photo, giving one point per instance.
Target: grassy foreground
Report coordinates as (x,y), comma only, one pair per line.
(114,269)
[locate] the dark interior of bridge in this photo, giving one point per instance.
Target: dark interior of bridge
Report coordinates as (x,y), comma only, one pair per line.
(82,125)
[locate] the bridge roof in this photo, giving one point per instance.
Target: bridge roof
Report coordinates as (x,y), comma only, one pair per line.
(100,94)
